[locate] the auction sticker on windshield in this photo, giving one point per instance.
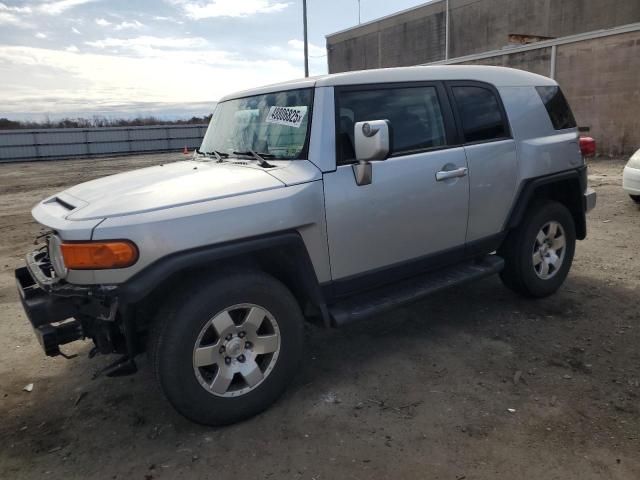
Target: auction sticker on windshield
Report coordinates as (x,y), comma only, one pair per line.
(290,116)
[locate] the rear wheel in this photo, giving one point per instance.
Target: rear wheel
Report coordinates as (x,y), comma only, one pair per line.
(225,351)
(538,254)
(635,198)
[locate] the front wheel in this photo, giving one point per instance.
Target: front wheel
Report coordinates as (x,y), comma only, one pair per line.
(538,254)
(225,350)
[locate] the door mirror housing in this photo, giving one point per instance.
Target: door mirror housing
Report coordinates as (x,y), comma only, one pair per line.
(372,140)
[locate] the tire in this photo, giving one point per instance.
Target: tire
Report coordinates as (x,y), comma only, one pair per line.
(635,198)
(186,333)
(525,273)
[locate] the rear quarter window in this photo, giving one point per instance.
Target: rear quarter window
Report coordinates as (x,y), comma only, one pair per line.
(480,114)
(557,107)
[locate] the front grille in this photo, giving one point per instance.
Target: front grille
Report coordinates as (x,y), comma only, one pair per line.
(40,266)
(49,262)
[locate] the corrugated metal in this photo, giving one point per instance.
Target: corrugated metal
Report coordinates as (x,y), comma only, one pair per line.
(21,145)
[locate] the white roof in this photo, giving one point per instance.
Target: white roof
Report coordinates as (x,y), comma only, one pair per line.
(498,76)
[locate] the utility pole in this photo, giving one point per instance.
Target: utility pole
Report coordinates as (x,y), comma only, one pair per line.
(446,32)
(306,41)
(359,21)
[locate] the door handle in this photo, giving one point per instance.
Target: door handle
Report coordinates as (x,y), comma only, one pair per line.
(446,174)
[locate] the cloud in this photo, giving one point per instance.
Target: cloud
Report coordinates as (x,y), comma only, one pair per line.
(160,18)
(314,50)
(9,15)
(76,31)
(41,35)
(8,18)
(72,49)
(176,50)
(9,8)
(149,41)
(125,25)
(22,16)
(135,25)
(200,9)
(59,6)
(293,51)
(55,80)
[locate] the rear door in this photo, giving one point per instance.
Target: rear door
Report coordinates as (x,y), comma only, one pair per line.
(491,156)
(406,214)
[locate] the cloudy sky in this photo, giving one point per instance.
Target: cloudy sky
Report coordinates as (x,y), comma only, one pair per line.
(173,57)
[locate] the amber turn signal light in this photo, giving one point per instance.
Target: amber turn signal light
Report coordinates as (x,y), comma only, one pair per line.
(99,255)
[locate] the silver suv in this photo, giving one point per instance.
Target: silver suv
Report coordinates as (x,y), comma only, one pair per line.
(326,200)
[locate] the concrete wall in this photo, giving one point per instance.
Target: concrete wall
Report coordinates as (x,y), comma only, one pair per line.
(418,35)
(479,26)
(601,79)
(536,61)
(414,36)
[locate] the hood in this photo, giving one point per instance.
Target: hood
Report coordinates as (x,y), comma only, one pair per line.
(164,186)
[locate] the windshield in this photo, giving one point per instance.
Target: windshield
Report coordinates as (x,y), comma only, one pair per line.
(274,124)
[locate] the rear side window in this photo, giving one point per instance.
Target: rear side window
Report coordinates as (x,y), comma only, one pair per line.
(414,112)
(557,107)
(480,114)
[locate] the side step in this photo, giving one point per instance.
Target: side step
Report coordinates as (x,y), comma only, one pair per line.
(391,296)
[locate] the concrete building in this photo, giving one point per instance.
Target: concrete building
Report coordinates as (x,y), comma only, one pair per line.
(592,47)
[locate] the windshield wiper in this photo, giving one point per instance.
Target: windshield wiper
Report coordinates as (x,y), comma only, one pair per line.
(260,157)
(219,155)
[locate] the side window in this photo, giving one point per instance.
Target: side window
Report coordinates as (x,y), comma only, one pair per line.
(414,112)
(480,114)
(557,107)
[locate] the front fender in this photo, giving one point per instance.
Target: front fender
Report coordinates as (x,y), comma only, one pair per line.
(152,277)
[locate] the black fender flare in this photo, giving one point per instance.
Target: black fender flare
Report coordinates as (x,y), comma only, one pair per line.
(527,194)
(146,281)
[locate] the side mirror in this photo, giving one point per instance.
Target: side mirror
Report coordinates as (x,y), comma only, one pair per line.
(372,140)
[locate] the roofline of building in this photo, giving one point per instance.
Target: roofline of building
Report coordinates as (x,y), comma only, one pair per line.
(391,15)
(605,32)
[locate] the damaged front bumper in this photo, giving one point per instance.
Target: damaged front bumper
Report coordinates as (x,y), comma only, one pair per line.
(59,312)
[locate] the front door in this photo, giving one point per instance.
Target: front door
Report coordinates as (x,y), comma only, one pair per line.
(417,203)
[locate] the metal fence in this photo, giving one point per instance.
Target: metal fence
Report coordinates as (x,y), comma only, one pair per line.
(58,143)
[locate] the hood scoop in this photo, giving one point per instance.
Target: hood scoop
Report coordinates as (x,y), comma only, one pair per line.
(64,204)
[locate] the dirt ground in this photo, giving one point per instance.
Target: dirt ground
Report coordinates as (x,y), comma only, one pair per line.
(473,383)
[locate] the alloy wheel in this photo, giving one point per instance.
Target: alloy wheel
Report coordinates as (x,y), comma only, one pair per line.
(549,249)
(236,350)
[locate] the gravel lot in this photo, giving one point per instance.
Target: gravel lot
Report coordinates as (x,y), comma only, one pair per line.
(473,383)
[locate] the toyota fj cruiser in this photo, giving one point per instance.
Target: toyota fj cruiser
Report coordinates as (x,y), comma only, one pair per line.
(327,199)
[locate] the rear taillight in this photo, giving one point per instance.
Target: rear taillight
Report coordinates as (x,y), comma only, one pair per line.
(587,146)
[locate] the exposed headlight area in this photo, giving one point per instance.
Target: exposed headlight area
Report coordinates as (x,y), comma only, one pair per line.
(55,256)
(61,256)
